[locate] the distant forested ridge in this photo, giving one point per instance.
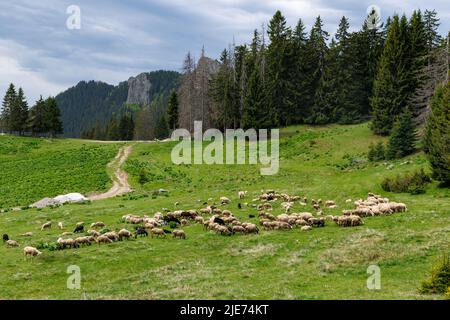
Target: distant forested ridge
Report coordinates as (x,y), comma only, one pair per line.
(95,103)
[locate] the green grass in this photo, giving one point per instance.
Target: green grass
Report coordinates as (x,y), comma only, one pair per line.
(326,263)
(36,168)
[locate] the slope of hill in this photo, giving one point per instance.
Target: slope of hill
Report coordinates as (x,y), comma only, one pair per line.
(326,263)
(33,168)
(88,102)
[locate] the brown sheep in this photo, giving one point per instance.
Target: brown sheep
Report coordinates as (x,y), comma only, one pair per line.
(97,224)
(179,234)
(103,239)
(124,233)
(157,232)
(238,229)
(112,235)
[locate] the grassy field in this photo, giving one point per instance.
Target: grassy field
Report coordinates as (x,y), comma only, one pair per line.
(325,263)
(36,168)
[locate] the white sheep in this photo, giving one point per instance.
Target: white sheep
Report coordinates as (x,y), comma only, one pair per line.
(46,225)
(12,243)
(31,251)
(60,225)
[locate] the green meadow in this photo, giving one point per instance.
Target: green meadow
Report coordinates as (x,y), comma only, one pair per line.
(328,162)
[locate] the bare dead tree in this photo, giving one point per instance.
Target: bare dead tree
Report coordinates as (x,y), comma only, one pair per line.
(430,76)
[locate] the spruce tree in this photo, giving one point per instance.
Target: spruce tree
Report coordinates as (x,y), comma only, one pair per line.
(327,98)
(316,52)
(7,107)
(52,117)
(431,22)
(24,112)
(299,76)
(279,52)
(437,134)
(403,138)
(162,129)
(172,110)
(37,121)
(391,84)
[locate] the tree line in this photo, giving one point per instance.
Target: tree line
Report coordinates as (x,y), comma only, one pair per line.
(42,119)
(289,76)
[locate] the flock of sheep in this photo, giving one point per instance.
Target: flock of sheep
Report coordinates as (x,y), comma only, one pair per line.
(222,221)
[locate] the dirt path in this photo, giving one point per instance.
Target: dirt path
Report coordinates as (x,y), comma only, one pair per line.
(120,177)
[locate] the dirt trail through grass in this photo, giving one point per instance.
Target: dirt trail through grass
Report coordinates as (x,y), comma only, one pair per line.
(118,176)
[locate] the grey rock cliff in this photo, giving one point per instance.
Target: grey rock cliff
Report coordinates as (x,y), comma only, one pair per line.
(139,89)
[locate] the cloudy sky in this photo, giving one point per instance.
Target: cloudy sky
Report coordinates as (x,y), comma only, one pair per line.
(119,39)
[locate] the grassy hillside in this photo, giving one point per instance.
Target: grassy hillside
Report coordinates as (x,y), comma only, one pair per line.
(325,263)
(36,168)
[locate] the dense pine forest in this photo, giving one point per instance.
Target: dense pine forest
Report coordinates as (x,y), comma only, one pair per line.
(290,76)
(42,119)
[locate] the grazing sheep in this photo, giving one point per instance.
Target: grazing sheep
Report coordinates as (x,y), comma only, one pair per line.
(287,206)
(330,204)
(124,233)
(63,243)
(318,222)
(223,230)
(5,237)
(141,232)
(157,232)
(306,228)
(93,233)
(27,234)
(46,225)
(103,239)
(238,229)
(179,234)
(79,228)
(31,251)
(81,223)
(82,240)
(184,222)
(265,206)
(316,206)
(112,235)
(12,243)
(242,194)
(60,225)
(348,201)
(251,228)
(305,216)
(301,222)
(97,224)
(199,219)
(224,200)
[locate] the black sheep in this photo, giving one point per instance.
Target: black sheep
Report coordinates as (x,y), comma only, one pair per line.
(141,232)
(5,237)
(219,221)
(239,206)
(167,231)
(79,229)
(251,215)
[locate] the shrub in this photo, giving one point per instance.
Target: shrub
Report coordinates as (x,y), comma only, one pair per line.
(172,225)
(376,152)
(413,183)
(439,280)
